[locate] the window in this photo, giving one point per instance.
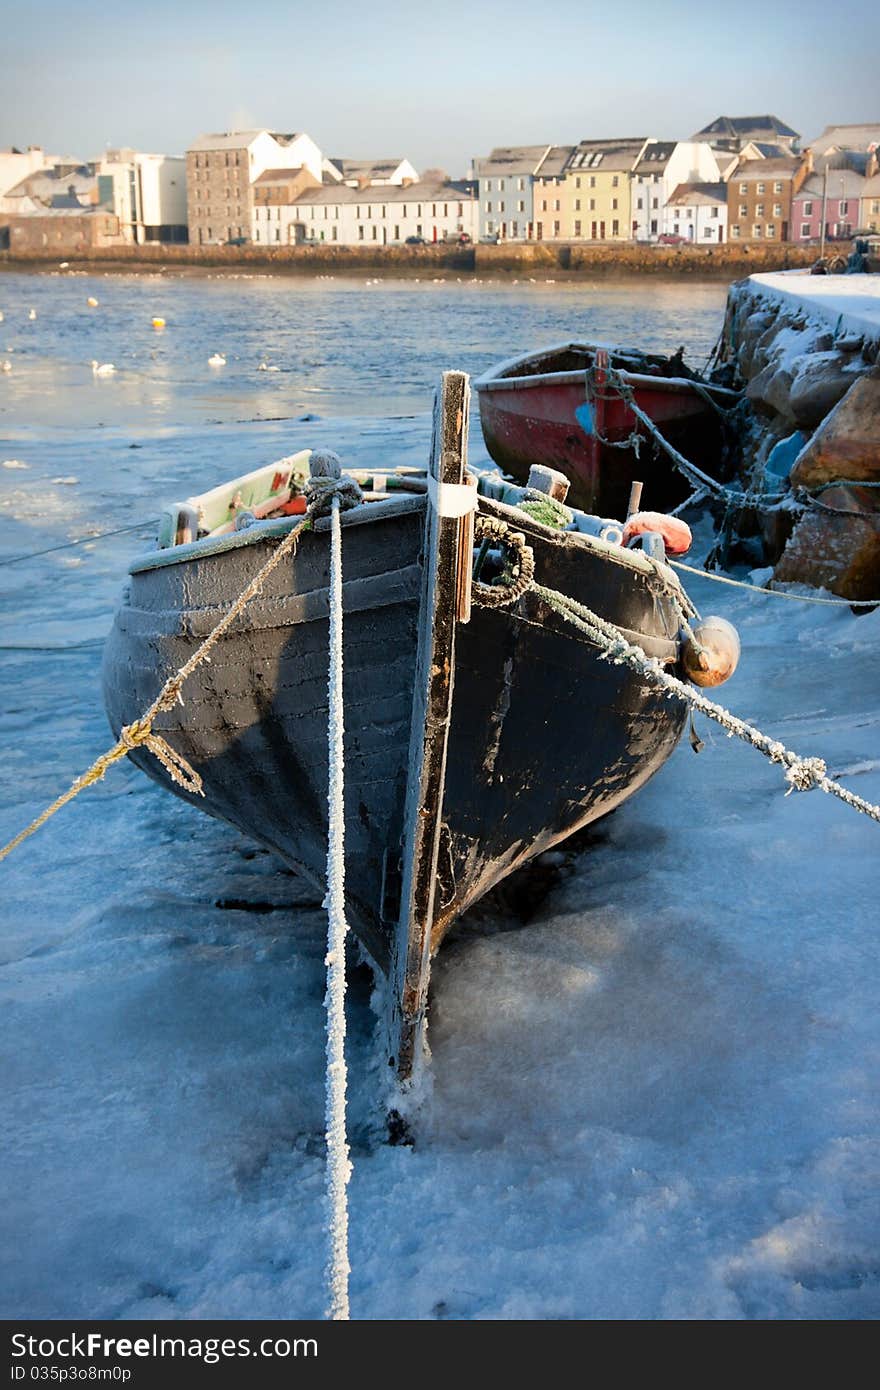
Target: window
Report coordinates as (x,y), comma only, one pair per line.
(277,233)
(654,203)
(805,229)
(639,204)
(500,185)
(759,210)
(844,208)
(713,212)
(808,209)
(488,185)
(771,230)
(592,180)
(777,209)
(556,205)
(577,228)
(614,204)
(577,204)
(396,233)
(615,181)
(488,207)
(756,231)
(520,207)
(434,209)
(375,233)
(514,229)
(592,205)
(500,207)
(777,187)
(556,229)
(521,183)
(577,182)
(360,231)
(334,233)
(653,226)
(615,228)
(734,231)
(743,210)
(543,204)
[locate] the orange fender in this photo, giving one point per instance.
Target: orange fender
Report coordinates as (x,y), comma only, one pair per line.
(675,532)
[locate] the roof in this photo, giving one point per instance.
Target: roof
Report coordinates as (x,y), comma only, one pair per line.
(746,127)
(767,151)
(554,163)
(871,187)
(846,137)
(239,139)
(765,169)
(424,192)
(606,155)
(841,183)
(511,159)
(359,168)
(699,195)
(278,175)
(656,155)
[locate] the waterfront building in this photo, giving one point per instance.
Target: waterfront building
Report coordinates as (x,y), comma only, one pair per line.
(147,192)
(832,195)
(869,209)
(550,197)
(275,195)
(697,212)
(17,165)
(662,167)
(598,180)
(505,183)
(735,132)
(759,198)
(380,215)
(67,226)
(221,171)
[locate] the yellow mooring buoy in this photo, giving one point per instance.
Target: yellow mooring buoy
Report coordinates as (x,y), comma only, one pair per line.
(158,323)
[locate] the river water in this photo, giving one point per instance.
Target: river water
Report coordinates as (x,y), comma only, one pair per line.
(652,1095)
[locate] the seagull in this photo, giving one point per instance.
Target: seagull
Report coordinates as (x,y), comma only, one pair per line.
(217,360)
(92,302)
(5,366)
(104,369)
(33,314)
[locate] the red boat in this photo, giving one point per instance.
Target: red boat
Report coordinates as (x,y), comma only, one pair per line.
(568,407)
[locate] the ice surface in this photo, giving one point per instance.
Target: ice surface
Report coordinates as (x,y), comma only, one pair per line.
(849,302)
(656,1098)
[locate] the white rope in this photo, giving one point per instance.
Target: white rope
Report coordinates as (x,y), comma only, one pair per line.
(776,593)
(338,1164)
(801,773)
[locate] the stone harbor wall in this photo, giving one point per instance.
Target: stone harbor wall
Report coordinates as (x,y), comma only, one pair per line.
(808,350)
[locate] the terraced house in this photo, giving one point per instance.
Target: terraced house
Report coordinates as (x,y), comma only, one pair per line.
(505,185)
(759,198)
(598,179)
(663,166)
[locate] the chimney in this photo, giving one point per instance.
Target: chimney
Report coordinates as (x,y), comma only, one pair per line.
(807,159)
(871,166)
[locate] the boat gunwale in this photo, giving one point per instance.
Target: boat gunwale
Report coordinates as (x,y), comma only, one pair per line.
(495,379)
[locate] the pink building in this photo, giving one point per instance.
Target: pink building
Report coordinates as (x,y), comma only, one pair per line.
(839,188)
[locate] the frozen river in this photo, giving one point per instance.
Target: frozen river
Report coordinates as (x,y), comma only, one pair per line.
(653,1095)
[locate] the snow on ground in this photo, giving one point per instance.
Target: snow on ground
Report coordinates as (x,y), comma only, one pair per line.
(655,1098)
(848,302)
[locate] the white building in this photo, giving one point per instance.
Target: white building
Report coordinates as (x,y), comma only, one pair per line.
(16,165)
(662,167)
(378,215)
(147,193)
(698,212)
(221,171)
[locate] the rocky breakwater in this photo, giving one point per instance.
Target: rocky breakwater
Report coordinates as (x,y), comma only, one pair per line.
(808,349)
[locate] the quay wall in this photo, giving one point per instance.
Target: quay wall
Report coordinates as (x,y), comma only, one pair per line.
(566,261)
(811,427)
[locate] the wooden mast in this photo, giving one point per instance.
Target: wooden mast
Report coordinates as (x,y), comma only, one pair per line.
(432,702)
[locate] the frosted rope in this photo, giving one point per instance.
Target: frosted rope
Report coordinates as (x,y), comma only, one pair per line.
(338,1164)
(776,593)
(801,773)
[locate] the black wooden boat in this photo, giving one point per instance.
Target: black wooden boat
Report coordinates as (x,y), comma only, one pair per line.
(470,746)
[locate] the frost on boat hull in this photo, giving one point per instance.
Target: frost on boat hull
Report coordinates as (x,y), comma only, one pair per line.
(469,747)
(539,409)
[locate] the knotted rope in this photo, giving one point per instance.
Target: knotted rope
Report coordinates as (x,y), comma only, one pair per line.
(802,774)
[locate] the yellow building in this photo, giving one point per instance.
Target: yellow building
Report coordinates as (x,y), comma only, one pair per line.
(596,201)
(548,193)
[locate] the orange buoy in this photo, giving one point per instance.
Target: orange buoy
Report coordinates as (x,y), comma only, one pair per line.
(711,656)
(158,323)
(675,532)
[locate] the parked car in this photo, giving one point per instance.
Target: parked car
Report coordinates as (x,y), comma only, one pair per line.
(416,241)
(671,239)
(490,240)
(237,241)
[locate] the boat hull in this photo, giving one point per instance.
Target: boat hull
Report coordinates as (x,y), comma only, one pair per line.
(538,416)
(544,736)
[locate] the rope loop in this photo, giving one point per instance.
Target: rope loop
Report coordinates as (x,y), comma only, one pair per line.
(806,773)
(519,565)
(321,491)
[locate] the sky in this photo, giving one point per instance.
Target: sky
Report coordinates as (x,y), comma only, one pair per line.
(437,82)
